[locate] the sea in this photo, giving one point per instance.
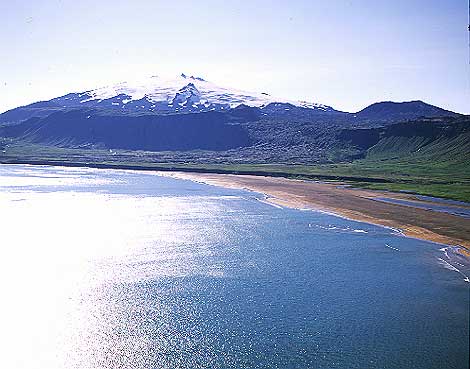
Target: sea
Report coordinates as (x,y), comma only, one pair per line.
(130,269)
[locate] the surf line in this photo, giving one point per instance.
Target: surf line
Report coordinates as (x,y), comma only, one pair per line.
(453,268)
(390,247)
(266,201)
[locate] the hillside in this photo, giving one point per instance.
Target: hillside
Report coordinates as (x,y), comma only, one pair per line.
(192,124)
(155,95)
(391,112)
(274,133)
(96,129)
(425,138)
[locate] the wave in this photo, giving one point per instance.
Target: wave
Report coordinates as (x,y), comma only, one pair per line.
(444,249)
(451,267)
(334,228)
(267,202)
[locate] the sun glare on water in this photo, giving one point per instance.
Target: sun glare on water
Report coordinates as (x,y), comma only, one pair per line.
(60,249)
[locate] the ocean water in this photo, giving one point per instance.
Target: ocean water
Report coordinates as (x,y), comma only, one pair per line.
(122,269)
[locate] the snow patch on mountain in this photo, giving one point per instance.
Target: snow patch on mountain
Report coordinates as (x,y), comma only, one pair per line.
(183,93)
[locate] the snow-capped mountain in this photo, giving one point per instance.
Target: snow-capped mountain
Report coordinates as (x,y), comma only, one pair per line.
(165,95)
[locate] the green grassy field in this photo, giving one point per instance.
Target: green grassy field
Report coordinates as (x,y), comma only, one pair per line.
(438,171)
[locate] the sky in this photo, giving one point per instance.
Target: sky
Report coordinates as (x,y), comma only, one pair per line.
(343,53)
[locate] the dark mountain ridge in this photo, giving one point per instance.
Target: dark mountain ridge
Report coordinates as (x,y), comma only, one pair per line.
(276,132)
(92,128)
(429,128)
(446,138)
(389,111)
(375,114)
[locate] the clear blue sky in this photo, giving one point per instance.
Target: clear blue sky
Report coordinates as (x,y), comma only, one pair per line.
(343,53)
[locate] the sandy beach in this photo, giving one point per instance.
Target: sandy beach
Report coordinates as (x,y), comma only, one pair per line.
(356,204)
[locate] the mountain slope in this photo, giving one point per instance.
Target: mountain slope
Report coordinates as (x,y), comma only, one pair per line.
(389,111)
(155,95)
(444,140)
(187,113)
(89,128)
(188,94)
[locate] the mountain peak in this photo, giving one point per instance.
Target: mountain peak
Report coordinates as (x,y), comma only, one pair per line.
(162,95)
(185,76)
(405,110)
(190,85)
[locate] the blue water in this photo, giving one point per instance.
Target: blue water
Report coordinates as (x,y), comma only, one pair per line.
(135,270)
(458,208)
(444,201)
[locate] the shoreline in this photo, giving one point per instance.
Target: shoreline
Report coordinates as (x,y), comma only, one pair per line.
(336,198)
(353,204)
